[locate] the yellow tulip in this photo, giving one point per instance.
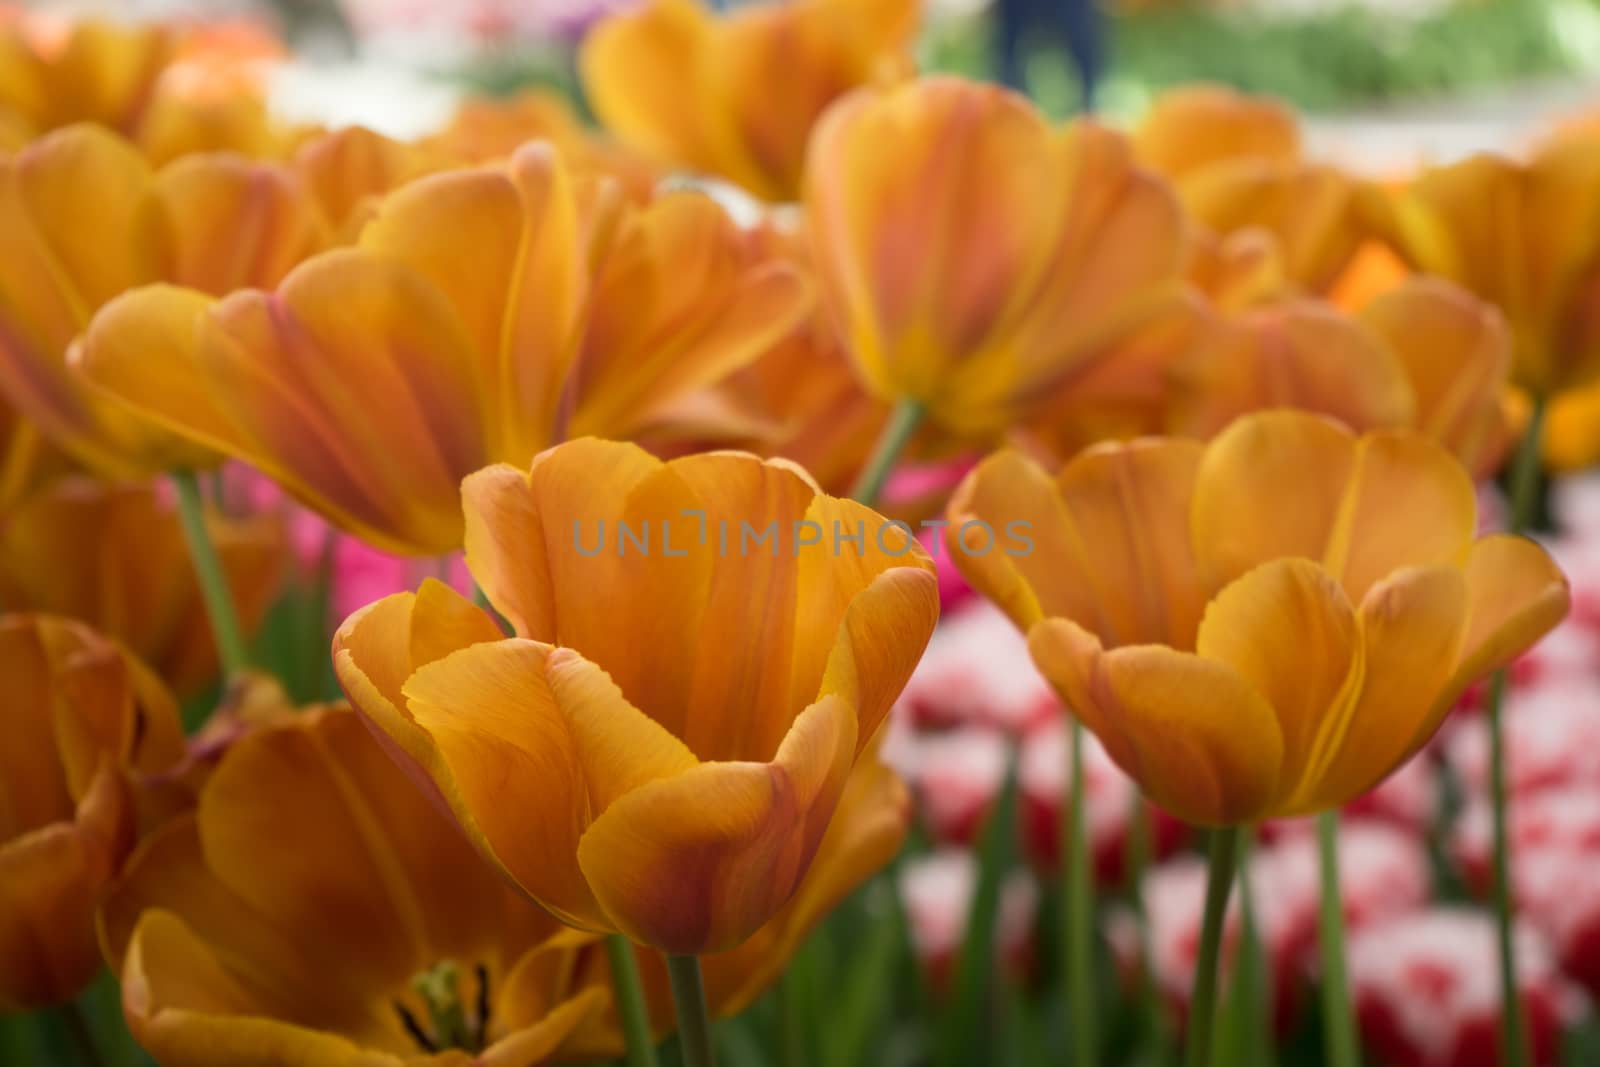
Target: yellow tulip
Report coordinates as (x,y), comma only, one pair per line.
(1572,430)
(82,219)
(317,909)
(115,557)
(82,719)
(1264,626)
(485,315)
(698,90)
(669,772)
(1525,236)
(977,259)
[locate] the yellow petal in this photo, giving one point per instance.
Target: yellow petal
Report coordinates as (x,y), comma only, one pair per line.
(1374,538)
(1195,735)
(1287,629)
(1106,543)
(1411,628)
(697,862)
(1269,485)
(1515,595)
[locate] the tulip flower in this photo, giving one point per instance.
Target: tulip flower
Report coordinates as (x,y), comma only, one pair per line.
(82,720)
(1237,165)
(1191,129)
(695,89)
(171,90)
(666,773)
(978,261)
(485,315)
(1259,631)
(83,218)
(27,462)
(350,170)
(1525,236)
(115,557)
(317,909)
(1426,354)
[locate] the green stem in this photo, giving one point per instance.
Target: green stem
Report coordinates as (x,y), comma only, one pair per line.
(631,1009)
(80,1035)
(1078,885)
(1338,1022)
(892,440)
(1524,492)
(694,1020)
(1149,997)
(1203,1005)
(208,572)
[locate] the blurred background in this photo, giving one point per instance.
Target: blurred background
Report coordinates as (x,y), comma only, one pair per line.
(1390,82)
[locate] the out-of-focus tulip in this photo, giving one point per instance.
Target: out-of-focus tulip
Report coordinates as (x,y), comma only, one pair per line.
(1236,162)
(1299,353)
(671,772)
(1457,358)
(1250,626)
(1426,354)
(82,219)
(977,673)
(82,719)
(350,170)
(488,129)
(1191,129)
(115,557)
(1523,236)
(978,261)
(27,462)
(171,89)
(1425,992)
(1572,430)
(485,315)
(697,90)
(1552,740)
(317,909)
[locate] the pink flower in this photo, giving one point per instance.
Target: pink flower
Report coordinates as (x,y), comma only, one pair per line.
(977,672)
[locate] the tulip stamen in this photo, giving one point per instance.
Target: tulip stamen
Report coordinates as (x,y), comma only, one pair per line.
(439,989)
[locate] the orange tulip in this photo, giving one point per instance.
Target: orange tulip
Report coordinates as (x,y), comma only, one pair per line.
(171,90)
(83,218)
(1236,162)
(350,170)
(115,557)
(1523,236)
(1190,130)
(490,129)
(1572,430)
(1426,355)
(27,462)
(1252,627)
(82,718)
(317,909)
(977,260)
(669,772)
(698,90)
(485,315)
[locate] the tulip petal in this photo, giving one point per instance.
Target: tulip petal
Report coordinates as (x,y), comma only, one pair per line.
(51,881)
(508,750)
(1287,629)
(1270,485)
(1515,595)
(1105,545)
(1194,734)
(1373,538)
(1411,628)
(697,862)
(188,1010)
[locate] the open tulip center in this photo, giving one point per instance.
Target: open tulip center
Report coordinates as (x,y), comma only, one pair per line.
(447,1007)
